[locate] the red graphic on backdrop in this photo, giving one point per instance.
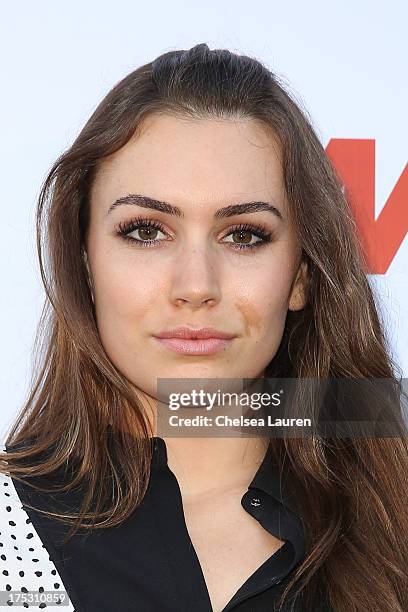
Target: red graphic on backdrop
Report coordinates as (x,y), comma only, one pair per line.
(354,160)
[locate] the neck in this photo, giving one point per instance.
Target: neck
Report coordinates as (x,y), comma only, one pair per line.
(204,465)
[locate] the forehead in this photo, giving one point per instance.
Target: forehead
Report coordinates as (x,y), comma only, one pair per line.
(194,160)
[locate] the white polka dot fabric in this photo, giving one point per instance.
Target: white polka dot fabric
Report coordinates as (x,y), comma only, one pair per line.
(25,565)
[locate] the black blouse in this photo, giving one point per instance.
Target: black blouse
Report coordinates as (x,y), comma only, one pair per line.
(148,563)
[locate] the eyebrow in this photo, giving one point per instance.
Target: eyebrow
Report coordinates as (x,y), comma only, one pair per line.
(135,199)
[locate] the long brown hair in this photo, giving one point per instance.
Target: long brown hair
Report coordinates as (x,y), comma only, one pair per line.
(352,492)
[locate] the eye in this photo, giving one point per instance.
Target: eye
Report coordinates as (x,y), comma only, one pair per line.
(245,233)
(146,229)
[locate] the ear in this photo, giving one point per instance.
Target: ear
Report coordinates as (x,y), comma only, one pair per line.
(297,298)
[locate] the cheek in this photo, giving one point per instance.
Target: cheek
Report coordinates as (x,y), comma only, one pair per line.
(263,302)
(123,296)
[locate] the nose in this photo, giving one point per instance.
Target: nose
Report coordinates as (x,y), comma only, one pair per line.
(195,279)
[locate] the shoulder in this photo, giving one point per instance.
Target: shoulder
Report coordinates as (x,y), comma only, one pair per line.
(25,564)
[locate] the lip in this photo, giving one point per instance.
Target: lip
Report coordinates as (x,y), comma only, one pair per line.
(191,341)
(203,346)
(191,333)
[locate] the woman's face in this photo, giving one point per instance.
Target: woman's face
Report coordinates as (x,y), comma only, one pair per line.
(190,271)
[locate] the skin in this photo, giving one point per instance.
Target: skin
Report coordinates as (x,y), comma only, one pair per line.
(195,276)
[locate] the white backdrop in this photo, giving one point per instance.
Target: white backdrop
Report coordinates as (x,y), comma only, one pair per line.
(345,62)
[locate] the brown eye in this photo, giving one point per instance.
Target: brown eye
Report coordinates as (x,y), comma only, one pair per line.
(147,233)
(243,236)
(145,230)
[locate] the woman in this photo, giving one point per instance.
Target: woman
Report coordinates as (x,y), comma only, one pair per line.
(198,196)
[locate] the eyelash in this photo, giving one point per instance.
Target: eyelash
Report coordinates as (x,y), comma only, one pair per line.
(126,227)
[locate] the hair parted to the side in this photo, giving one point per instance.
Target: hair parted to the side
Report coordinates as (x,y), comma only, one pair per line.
(352,492)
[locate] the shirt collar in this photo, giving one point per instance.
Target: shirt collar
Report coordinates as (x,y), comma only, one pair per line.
(269,478)
(269,498)
(279,509)
(275,481)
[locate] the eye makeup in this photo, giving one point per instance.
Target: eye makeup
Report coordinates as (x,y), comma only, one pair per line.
(125,228)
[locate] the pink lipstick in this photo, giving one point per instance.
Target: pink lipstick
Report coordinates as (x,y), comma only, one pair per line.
(195,341)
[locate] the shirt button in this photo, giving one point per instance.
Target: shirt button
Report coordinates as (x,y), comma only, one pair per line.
(255,501)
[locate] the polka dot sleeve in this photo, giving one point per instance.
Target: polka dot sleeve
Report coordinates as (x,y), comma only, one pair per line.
(25,565)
